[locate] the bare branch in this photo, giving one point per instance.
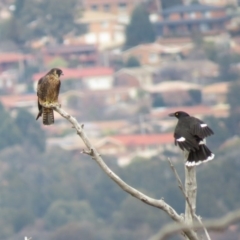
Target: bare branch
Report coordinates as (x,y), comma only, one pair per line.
(158,203)
(180,185)
(203,227)
(190,191)
(212,225)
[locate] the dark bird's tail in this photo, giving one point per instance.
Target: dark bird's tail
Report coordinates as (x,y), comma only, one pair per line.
(196,157)
(48,116)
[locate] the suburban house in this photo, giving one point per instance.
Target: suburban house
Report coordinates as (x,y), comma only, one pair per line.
(92,78)
(197,71)
(104,29)
(199,111)
(13,60)
(18,101)
(126,147)
(215,93)
(86,54)
(220,2)
(121,8)
(108,97)
(187,93)
(137,76)
(153,53)
(185,20)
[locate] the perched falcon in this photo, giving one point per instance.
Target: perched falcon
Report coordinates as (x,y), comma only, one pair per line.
(47,92)
(189,135)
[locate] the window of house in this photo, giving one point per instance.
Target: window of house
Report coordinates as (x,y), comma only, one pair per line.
(106,7)
(153,58)
(193,15)
(204,27)
(105,24)
(122,6)
(207,14)
(94,7)
(104,37)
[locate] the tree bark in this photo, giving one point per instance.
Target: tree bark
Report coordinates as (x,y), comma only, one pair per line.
(191,192)
(158,203)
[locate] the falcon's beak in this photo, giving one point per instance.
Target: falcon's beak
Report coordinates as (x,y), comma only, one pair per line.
(171,115)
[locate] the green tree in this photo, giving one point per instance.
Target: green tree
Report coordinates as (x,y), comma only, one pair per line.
(140,30)
(132,62)
(63,212)
(170,3)
(9,132)
(78,231)
(58,62)
(30,130)
(233,121)
(35,19)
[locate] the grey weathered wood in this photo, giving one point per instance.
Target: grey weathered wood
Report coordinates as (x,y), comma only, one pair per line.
(219,224)
(158,203)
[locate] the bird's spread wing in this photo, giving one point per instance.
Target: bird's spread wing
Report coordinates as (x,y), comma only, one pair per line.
(200,128)
(185,140)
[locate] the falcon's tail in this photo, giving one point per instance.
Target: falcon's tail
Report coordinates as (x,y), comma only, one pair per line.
(203,154)
(48,116)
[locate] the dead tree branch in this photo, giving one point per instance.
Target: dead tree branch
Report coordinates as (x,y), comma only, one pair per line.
(158,203)
(180,185)
(212,225)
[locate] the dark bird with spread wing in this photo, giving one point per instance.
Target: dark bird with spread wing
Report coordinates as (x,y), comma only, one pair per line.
(47,92)
(189,135)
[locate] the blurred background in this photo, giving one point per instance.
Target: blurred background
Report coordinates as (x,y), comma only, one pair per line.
(127,64)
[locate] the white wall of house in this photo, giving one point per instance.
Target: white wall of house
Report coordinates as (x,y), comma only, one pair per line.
(98,82)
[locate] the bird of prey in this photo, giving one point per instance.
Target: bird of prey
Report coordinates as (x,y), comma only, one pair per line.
(190,134)
(47,92)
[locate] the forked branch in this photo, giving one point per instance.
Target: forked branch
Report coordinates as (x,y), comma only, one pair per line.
(158,203)
(212,225)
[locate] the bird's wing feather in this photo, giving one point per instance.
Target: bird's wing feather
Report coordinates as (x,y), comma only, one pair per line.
(43,85)
(58,88)
(200,128)
(185,140)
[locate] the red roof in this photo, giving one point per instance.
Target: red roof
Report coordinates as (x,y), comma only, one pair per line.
(18,100)
(77,73)
(192,110)
(12,57)
(144,140)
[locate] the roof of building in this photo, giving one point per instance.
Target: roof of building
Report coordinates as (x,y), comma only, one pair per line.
(64,49)
(10,101)
(221,87)
(12,57)
(78,73)
(192,20)
(197,110)
(135,71)
(96,16)
(191,8)
(140,140)
(172,86)
(159,48)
